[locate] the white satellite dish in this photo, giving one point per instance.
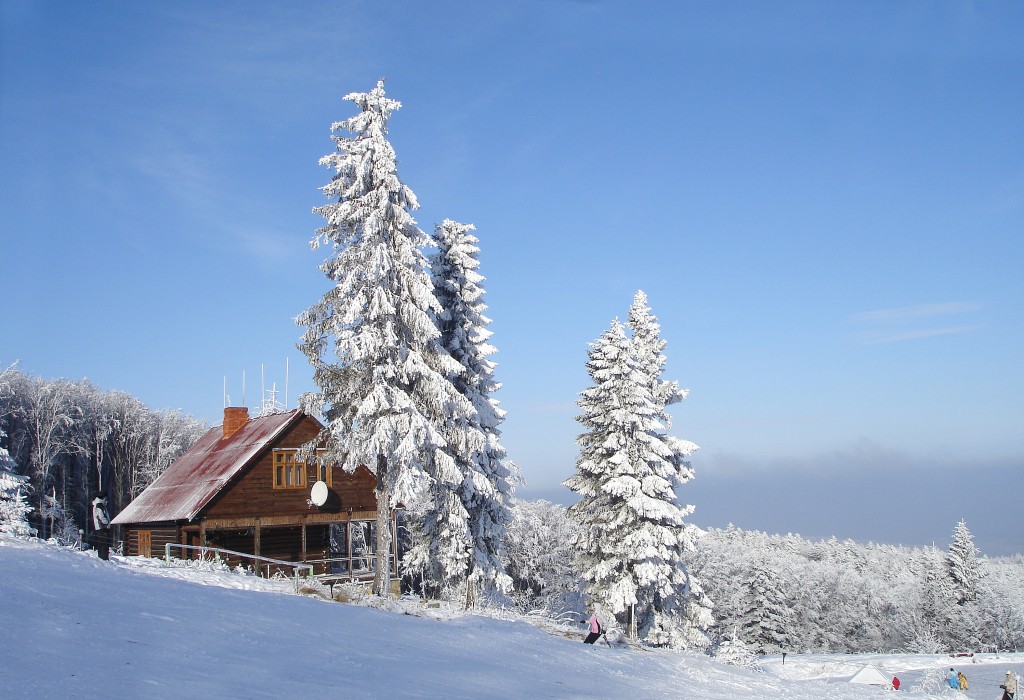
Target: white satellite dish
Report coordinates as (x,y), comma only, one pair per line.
(318,494)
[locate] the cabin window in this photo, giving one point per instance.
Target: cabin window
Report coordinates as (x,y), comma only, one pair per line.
(323,473)
(290,470)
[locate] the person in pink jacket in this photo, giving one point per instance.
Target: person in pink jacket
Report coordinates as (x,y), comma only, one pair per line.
(596,629)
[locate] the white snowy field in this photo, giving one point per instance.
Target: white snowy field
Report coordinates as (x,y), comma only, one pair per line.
(72,626)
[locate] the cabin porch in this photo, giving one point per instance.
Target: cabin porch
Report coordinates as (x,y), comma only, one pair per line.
(341,545)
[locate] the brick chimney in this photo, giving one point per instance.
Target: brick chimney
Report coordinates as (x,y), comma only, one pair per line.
(234,418)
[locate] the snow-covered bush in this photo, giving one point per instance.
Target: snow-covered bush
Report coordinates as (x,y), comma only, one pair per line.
(539,559)
(61,524)
(14,507)
(736,652)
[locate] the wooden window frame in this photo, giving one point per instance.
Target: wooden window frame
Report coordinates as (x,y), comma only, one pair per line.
(288,472)
(323,472)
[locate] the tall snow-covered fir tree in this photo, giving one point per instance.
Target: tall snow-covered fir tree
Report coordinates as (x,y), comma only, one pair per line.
(381,372)
(964,569)
(649,346)
(465,525)
(633,533)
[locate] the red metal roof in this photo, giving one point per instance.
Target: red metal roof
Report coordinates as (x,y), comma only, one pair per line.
(196,477)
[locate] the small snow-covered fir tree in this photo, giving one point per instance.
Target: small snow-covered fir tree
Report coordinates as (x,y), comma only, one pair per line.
(693,630)
(964,569)
(764,616)
(381,373)
(632,533)
(937,601)
(14,506)
(735,652)
(466,527)
(63,528)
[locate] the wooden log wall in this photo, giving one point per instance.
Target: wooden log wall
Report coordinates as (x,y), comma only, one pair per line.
(253,494)
(158,535)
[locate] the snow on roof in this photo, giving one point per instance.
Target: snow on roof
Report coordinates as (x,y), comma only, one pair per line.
(197,476)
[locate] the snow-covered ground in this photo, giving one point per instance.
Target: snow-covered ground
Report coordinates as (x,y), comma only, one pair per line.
(72,626)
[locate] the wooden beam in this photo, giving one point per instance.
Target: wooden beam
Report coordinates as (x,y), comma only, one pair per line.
(282,520)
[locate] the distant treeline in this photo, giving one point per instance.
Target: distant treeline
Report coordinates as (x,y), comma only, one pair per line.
(72,439)
(785,593)
(775,593)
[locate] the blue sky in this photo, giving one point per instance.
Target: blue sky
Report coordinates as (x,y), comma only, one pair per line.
(824,203)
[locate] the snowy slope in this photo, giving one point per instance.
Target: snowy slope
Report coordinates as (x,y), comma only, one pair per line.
(74,626)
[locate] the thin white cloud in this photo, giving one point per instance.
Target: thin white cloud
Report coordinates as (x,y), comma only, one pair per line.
(915,312)
(880,337)
(913,322)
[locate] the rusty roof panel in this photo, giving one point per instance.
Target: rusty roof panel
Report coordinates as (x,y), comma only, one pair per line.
(196,477)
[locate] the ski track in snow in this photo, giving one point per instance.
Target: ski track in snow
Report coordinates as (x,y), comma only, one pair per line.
(72,626)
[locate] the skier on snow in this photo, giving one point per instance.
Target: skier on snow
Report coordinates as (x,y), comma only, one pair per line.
(596,629)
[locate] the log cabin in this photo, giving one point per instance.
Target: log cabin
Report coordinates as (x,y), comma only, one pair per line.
(243,488)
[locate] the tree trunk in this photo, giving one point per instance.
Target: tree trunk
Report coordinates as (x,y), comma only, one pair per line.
(382,574)
(471,583)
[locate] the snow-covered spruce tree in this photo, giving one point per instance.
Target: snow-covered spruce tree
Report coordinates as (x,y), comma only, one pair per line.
(632,534)
(763,619)
(382,376)
(649,347)
(963,564)
(465,529)
(14,506)
(937,601)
